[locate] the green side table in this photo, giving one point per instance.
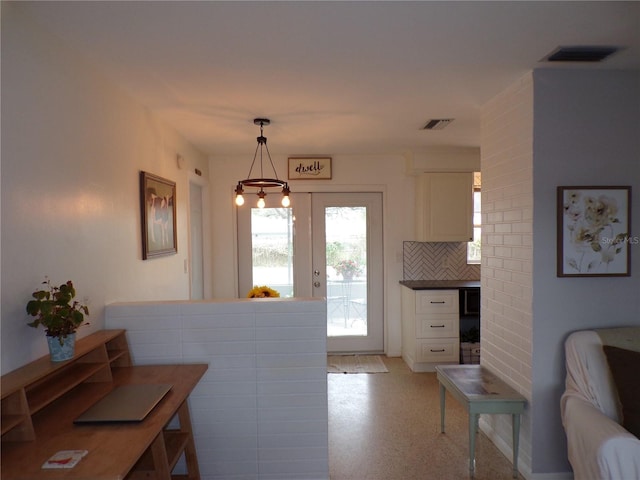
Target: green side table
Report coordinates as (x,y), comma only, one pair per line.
(480,391)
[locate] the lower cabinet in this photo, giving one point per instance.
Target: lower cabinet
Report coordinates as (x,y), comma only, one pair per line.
(430,328)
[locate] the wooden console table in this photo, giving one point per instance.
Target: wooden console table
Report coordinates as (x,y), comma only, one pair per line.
(41,400)
(480,391)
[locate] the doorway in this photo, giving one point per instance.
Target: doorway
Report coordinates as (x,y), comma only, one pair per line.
(196,238)
(196,266)
(325,245)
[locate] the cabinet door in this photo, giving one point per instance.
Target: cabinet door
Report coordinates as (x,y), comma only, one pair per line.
(437,350)
(444,208)
(437,326)
(437,301)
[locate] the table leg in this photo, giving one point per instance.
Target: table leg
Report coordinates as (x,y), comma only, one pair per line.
(190,448)
(160,459)
(473,421)
(516,441)
(442,396)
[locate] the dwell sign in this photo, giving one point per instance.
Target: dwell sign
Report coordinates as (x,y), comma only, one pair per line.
(311,168)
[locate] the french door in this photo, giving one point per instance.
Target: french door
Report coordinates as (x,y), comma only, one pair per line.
(325,245)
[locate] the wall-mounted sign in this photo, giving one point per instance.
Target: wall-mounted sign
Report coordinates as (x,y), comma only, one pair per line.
(309,168)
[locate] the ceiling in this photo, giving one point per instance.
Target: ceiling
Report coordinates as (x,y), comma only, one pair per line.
(333,77)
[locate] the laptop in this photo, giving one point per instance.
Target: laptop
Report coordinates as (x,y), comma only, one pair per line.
(126,403)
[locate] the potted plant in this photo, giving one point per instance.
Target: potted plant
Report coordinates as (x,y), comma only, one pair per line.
(56,310)
(348,269)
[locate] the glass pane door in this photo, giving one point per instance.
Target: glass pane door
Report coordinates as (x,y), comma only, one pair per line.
(272,249)
(274,246)
(324,245)
(346,267)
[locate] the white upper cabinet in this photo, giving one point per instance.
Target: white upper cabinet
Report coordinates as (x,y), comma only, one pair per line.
(444,208)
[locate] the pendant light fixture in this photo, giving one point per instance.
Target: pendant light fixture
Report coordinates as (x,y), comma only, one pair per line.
(261,183)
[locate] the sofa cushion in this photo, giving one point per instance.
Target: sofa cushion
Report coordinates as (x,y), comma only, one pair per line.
(624,369)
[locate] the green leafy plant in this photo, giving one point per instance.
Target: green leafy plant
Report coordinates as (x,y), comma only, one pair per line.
(55,309)
(472,335)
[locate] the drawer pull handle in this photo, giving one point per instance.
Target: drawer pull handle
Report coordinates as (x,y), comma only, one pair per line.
(437,302)
(436,326)
(441,350)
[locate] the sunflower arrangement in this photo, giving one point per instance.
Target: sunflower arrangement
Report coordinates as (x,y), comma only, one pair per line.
(262,292)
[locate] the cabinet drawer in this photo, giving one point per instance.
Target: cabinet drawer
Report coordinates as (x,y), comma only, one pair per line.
(437,326)
(437,301)
(438,350)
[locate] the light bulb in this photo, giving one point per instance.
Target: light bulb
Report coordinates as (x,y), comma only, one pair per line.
(285,195)
(239,197)
(261,196)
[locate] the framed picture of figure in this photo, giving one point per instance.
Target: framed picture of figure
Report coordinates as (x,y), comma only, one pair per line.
(158,212)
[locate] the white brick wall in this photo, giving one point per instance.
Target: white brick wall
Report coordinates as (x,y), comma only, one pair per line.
(507,220)
(260,412)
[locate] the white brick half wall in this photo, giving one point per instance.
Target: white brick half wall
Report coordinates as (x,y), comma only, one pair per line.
(507,251)
(260,412)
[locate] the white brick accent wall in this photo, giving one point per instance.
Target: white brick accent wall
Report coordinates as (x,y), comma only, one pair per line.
(507,253)
(261,411)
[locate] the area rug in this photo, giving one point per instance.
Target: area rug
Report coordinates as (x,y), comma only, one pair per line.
(355,364)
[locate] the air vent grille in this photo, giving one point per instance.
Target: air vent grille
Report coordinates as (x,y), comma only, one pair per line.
(437,123)
(581,54)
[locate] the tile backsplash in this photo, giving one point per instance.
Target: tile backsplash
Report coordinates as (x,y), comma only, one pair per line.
(437,261)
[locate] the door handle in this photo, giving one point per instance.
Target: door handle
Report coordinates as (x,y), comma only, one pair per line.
(436,326)
(441,350)
(316,284)
(436,302)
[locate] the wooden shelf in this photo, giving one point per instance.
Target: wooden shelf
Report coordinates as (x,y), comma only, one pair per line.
(42,394)
(14,407)
(10,421)
(100,361)
(116,354)
(175,442)
(31,388)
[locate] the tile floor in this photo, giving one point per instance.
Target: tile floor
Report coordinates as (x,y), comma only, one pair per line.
(386,426)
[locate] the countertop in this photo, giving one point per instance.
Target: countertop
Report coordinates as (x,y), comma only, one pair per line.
(439,284)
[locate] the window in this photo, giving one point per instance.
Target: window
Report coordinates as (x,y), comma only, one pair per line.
(473,248)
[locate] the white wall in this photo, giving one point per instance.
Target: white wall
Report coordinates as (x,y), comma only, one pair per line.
(365,173)
(586,133)
(260,410)
(507,254)
(556,127)
(72,148)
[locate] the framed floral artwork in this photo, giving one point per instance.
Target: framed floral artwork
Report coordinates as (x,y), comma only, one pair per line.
(158,212)
(594,231)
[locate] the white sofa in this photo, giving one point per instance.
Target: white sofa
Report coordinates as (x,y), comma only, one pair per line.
(599,447)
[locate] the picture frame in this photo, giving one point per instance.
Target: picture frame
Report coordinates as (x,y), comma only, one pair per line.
(309,168)
(593,231)
(158,214)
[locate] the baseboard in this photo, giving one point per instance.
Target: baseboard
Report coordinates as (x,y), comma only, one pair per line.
(523,467)
(552,476)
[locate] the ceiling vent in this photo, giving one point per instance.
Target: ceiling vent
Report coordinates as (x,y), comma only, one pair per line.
(437,123)
(580,54)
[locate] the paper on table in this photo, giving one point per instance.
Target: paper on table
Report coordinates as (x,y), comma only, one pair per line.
(64,459)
